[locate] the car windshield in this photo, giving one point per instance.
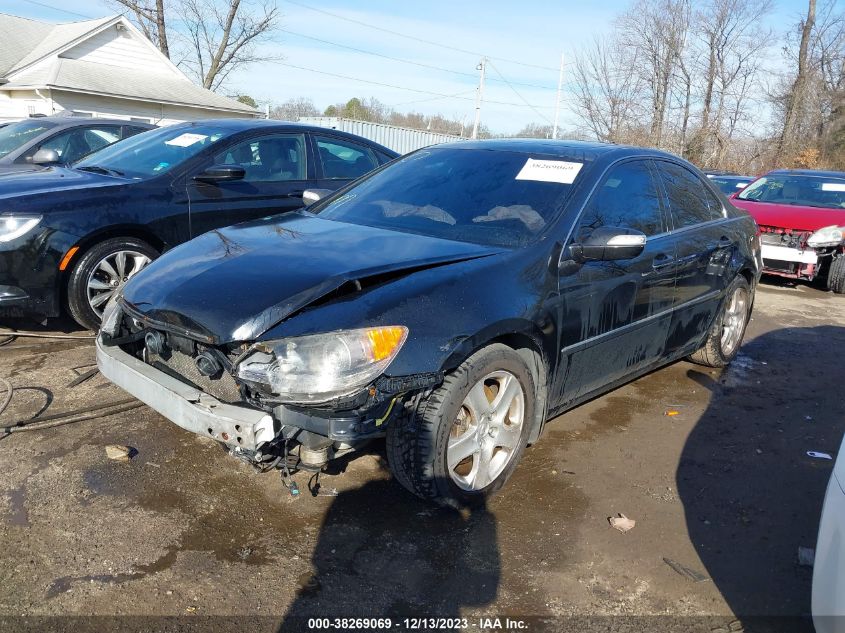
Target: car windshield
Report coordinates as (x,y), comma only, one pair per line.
(730,185)
(798,189)
(489,197)
(155,152)
(18,134)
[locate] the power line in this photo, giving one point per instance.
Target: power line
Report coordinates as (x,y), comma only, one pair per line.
(418,39)
(540,114)
(404,61)
(385,85)
(49,6)
(457,94)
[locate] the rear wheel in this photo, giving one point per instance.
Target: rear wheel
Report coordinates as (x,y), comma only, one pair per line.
(466,438)
(100,273)
(725,336)
(836,274)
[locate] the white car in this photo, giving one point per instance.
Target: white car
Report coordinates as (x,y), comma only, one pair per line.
(829,568)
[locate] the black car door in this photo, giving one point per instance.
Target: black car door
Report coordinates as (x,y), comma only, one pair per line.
(615,314)
(342,161)
(276,172)
(704,242)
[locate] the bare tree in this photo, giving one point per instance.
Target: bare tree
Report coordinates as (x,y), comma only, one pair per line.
(224,37)
(294,108)
(796,97)
(607,89)
(657,30)
(150,18)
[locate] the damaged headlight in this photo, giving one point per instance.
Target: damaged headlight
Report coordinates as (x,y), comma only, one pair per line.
(320,367)
(828,236)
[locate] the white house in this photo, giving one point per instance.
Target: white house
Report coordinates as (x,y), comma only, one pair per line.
(98,68)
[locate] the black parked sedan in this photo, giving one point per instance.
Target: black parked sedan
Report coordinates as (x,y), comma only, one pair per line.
(73,236)
(453,301)
(59,140)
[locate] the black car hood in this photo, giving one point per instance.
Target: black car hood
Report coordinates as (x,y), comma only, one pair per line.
(234,284)
(51,179)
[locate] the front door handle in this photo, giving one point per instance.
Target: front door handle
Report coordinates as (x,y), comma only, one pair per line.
(662,261)
(295,194)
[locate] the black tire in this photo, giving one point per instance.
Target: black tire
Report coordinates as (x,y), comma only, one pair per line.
(836,274)
(712,353)
(77,289)
(417,440)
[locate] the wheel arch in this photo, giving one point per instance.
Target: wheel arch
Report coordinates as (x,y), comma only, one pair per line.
(86,243)
(527,340)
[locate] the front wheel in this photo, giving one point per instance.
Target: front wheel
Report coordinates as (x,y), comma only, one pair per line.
(462,443)
(725,336)
(836,274)
(100,273)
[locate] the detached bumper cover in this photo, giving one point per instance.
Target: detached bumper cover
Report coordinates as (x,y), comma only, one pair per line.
(184,405)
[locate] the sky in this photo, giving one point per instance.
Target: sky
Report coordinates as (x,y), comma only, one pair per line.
(311,55)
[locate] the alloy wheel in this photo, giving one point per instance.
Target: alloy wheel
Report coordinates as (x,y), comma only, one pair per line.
(733,321)
(486,433)
(110,274)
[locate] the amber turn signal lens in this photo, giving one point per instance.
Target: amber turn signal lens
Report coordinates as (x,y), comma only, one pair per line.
(385,340)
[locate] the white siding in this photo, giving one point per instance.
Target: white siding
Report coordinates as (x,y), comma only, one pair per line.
(157,113)
(119,48)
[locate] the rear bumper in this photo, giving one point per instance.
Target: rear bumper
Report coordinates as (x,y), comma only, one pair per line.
(190,408)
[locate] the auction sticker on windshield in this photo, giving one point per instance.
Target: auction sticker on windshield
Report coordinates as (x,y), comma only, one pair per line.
(560,171)
(833,186)
(186,140)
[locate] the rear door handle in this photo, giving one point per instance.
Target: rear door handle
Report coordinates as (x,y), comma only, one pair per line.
(724,242)
(295,194)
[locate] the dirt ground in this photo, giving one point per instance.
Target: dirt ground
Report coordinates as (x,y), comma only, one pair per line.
(724,488)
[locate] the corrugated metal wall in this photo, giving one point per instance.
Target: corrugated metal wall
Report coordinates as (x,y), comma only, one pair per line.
(399,139)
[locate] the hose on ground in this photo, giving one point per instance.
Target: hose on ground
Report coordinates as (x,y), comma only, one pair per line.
(13,334)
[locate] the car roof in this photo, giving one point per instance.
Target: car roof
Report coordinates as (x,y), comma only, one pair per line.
(71,121)
(245,125)
(587,150)
(808,172)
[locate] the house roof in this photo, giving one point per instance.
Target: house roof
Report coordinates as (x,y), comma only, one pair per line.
(25,43)
(89,77)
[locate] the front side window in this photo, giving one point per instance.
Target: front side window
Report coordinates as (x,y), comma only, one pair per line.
(797,189)
(689,200)
(275,158)
(154,153)
(490,197)
(626,198)
(16,135)
(343,160)
(76,143)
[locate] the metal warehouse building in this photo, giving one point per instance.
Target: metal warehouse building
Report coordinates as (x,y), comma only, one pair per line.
(399,139)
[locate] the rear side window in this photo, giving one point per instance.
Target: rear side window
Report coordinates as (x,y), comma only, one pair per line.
(343,160)
(690,202)
(626,198)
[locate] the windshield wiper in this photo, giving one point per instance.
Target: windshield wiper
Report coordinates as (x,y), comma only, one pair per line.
(97,169)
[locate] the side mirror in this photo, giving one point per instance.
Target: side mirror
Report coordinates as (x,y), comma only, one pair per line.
(46,157)
(608,243)
(221,173)
(310,196)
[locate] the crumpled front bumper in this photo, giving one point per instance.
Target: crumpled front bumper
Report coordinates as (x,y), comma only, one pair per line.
(190,408)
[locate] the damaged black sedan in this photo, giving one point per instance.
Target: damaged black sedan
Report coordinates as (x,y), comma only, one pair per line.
(451,301)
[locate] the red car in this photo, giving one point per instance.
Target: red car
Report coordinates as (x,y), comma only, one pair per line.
(801,214)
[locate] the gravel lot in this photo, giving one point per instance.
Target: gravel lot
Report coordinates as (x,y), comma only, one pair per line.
(723,488)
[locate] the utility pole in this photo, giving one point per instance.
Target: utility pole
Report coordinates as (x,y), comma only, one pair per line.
(479,95)
(557,102)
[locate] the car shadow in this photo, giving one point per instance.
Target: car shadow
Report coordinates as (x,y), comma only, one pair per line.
(751,494)
(383,553)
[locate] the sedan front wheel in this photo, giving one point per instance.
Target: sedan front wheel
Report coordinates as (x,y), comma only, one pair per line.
(462,443)
(101,273)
